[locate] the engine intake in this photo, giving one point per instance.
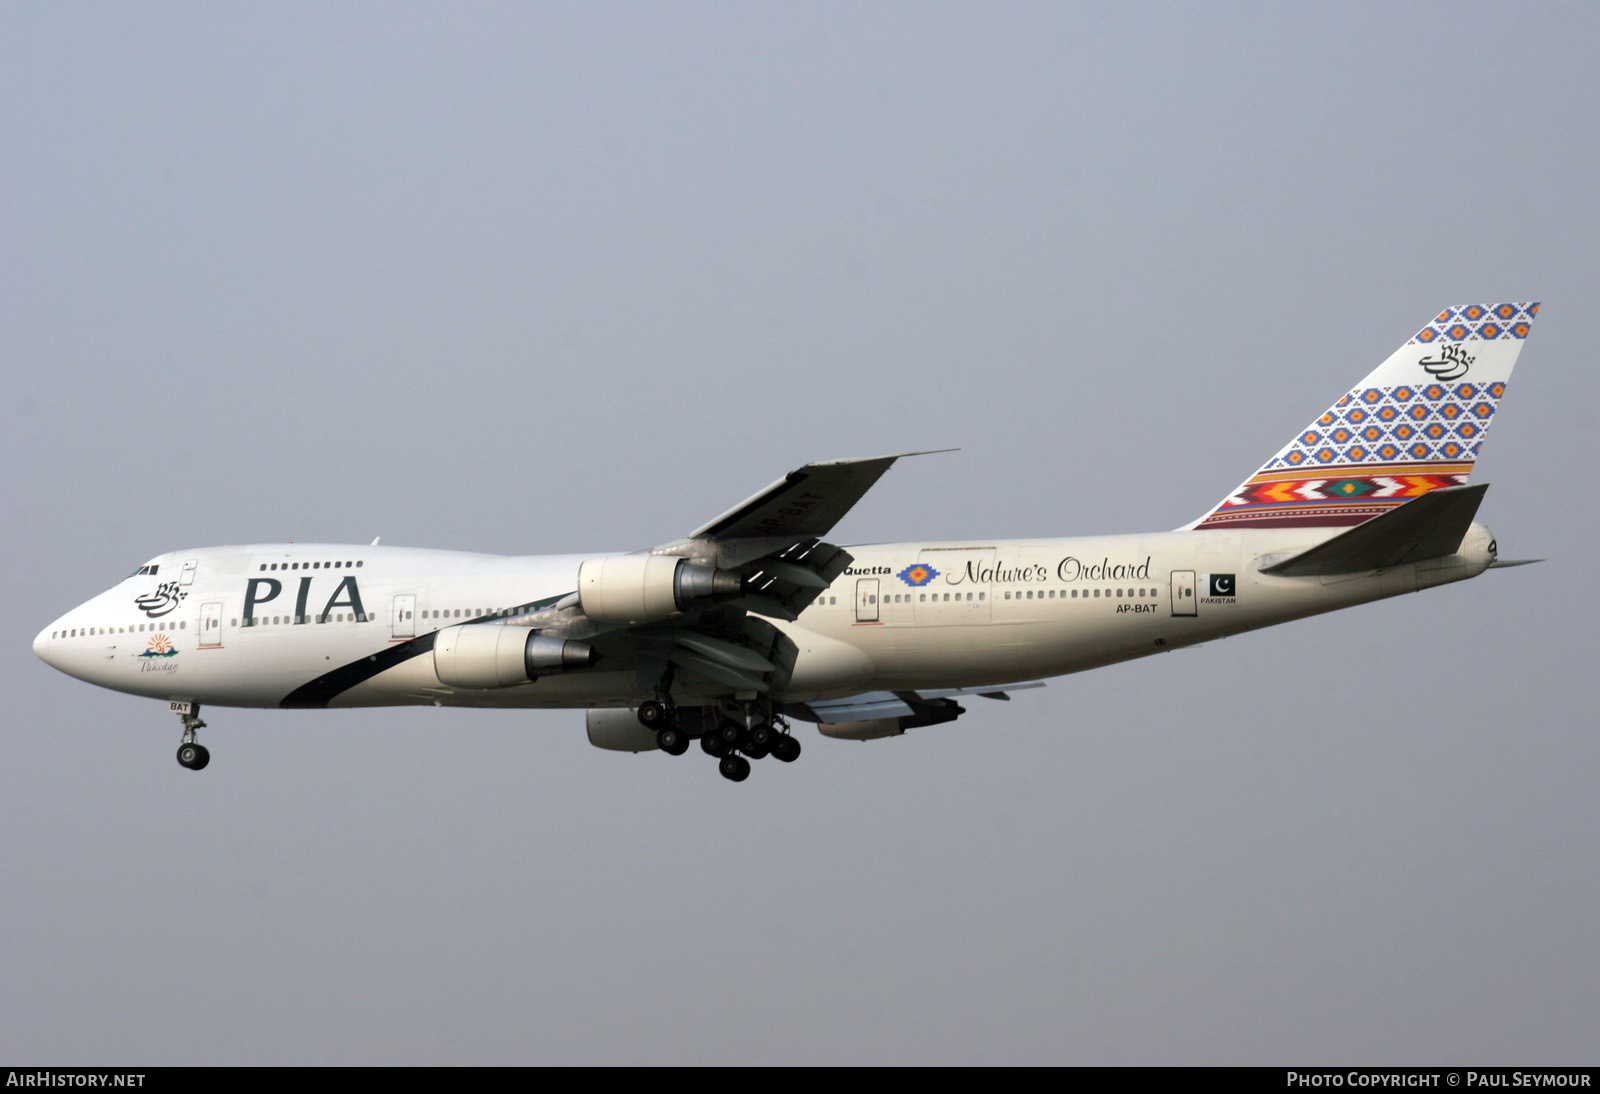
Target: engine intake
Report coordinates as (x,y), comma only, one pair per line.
(491,655)
(645,588)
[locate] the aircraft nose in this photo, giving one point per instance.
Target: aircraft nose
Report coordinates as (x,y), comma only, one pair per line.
(41,646)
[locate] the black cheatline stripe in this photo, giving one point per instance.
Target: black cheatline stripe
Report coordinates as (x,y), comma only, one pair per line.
(322,690)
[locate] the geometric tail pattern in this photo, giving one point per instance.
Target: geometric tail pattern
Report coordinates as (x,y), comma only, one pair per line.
(1413,425)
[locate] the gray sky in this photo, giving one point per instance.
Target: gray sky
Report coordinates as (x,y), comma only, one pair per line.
(527,278)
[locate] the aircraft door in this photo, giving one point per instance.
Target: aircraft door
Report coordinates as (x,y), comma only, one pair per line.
(1184,601)
(403,620)
(186,575)
(867,600)
(211,625)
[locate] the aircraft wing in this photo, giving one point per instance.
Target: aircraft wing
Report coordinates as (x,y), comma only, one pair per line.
(890,704)
(767,553)
(805,503)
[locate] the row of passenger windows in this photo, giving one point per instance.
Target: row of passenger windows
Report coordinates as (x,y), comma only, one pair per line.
(137,628)
(279,620)
(1009,594)
(346,565)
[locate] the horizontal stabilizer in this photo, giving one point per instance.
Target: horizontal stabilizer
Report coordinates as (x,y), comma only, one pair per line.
(1430,526)
(1502,563)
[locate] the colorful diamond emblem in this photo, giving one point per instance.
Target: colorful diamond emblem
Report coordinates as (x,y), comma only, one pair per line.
(1488,330)
(1404,394)
(1419,413)
(1466,430)
(1389,451)
(1310,437)
(1371,395)
(1458,332)
(1326,419)
(917,574)
(1472,312)
(1482,411)
(1505,311)
(1451,450)
(1404,432)
(1427,334)
(1372,433)
(1497,390)
(1434,392)
(1466,391)
(1341,436)
(1521,330)
(1388,413)
(1296,458)
(1451,411)
(1435,431)
(1349,488)
(1419,451)
(1326,455)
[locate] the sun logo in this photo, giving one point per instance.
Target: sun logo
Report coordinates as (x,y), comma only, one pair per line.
(917,574)
(160,646)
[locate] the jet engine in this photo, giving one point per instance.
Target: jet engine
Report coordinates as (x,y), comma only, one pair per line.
(645,588)
(491,655)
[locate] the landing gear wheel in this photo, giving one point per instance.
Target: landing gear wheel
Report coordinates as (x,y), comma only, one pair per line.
(730,731)
(785,748)
(751,748)
(672,740)
(652,714)
(193,756)
(762,734)
(735,768)
(712,745)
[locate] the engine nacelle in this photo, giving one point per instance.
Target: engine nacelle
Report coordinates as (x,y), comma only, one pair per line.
(619,730)
(932,714)
(645,588)
(491,655)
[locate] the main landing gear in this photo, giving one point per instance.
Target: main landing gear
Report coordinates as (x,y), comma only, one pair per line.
(734,736)
(191,753)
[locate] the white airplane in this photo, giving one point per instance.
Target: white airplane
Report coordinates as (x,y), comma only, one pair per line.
(752,622)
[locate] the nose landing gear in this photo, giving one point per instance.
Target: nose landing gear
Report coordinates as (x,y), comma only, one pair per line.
(191,753)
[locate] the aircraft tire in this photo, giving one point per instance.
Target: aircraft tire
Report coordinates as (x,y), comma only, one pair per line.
(786,749)
(672,740)
(734,768)
(193,756)
(712,745)
(652,714)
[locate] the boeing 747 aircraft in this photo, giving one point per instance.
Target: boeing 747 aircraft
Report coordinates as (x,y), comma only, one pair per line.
(753,622)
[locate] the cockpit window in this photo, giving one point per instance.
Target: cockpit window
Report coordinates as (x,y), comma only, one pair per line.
(143,570)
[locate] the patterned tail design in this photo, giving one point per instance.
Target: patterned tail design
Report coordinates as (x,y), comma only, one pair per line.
(1415,424)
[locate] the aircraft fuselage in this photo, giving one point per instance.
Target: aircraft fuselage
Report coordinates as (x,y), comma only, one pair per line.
(311,625)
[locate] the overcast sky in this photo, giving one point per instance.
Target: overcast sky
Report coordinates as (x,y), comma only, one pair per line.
(527,278)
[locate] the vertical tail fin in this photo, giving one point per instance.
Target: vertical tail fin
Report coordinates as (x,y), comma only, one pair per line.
(1413,425)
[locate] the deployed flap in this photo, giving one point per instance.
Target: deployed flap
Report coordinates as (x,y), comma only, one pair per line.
(806,502)
(1431,526)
